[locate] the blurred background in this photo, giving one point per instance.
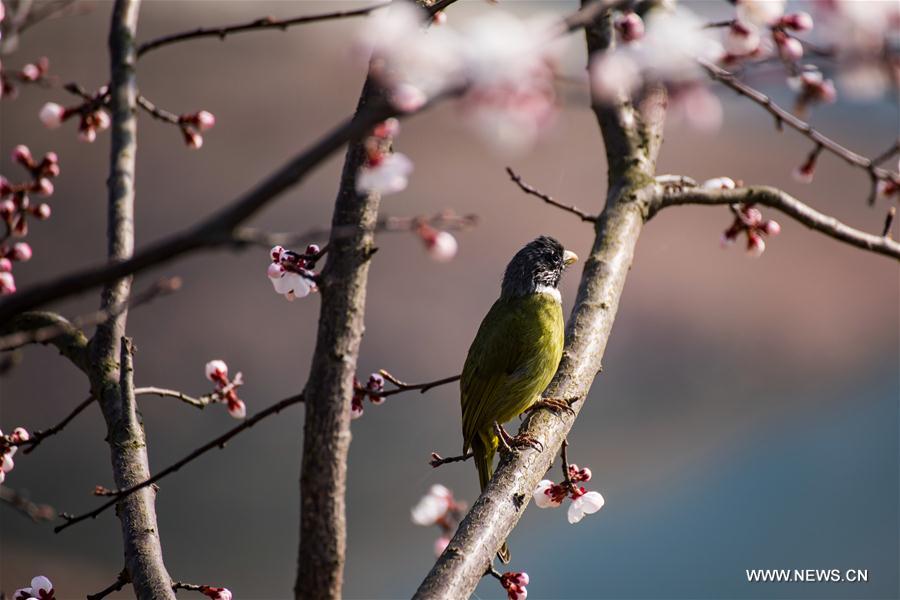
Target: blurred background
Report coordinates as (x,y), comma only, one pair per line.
(746,416)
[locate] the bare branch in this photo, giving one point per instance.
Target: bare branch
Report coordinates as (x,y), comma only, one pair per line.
(36,512)
(47,328)
(39,436)
(782,201)
(528,189)
(783,116)
(218,442)
(121,581)
(201,402)
(255,25)
(402,386)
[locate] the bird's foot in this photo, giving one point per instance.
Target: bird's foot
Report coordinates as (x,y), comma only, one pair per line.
(557,405)
(511,443)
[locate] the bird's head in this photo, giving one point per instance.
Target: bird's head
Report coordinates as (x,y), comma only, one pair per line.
(537,265)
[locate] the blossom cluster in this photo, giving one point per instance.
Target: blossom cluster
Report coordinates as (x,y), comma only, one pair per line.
(548,494)
(16,207)
(31,73)
(438,507)
(372,390)
(226,389)
(192,124)
(8,446)
(92,117)
(514,583)
(504,65)
(40,589)
(747,220)
(292,274)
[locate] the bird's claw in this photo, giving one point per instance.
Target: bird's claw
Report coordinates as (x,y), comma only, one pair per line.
(557,405)
(511,443)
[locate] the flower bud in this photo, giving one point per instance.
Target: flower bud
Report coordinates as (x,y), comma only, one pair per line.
(41,211)
(204,120)
(22,155)
(217,371)
(44,187)
(5,265)
(771,228)
(630,27)
(21,252)
(7,283)
(52,115)
(798,21)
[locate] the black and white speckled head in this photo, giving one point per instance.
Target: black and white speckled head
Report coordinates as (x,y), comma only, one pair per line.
(536,268)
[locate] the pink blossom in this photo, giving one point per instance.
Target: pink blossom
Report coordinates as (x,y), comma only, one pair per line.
(789,48)
(439,18)
(798,21)
(217,371)
(388,176)
(87,134)
(204,120)
(19,435)
(5,265)
(698,107)
(514,584)
(755,245)
(719,183)
(741,39)
(7,283)
(31,72)
(52,115)
(21,252)
(760,12)
(193,139)
(613,76)
(7,209)
(216,593)
(44,187)
(433,506)
(407,98)
(630,27)
(387,129)
(7,463)
(544,495)
(771,227)
(22,155)
(237,408)
(102,120)
(585,504)
(42,211)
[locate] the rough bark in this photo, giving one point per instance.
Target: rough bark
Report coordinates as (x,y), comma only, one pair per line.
(326,431)
(631,142)
(110,351)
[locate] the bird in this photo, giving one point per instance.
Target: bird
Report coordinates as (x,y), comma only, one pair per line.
(515,353)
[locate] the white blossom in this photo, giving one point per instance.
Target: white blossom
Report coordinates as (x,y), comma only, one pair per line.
(390,175)
(585,504)
(541,498)
(432,506)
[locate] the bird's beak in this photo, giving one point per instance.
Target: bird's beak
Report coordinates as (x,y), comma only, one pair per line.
(569,257)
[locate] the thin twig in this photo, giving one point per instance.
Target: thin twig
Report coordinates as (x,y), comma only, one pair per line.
(44,334)
(218,442)
(780,200)
(528,189)
(200,402)
(402,386)
(437,460)
(24,506)
(160,114)
(39,436)
(117,585)
(783,116)
(255,25)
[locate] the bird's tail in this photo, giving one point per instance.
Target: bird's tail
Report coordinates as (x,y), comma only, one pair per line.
(484,462)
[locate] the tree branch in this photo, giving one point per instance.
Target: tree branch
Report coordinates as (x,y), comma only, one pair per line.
(47,328)
(39,436)
(501,505)
(219,442)
(255,25)
(56,329)
(326,429)
(783,116)
(111,353)
(533,191)
(36,512)
(402,386)
(782,201)
(200,402)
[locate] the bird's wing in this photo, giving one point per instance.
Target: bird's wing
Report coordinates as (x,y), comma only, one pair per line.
(507,363)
